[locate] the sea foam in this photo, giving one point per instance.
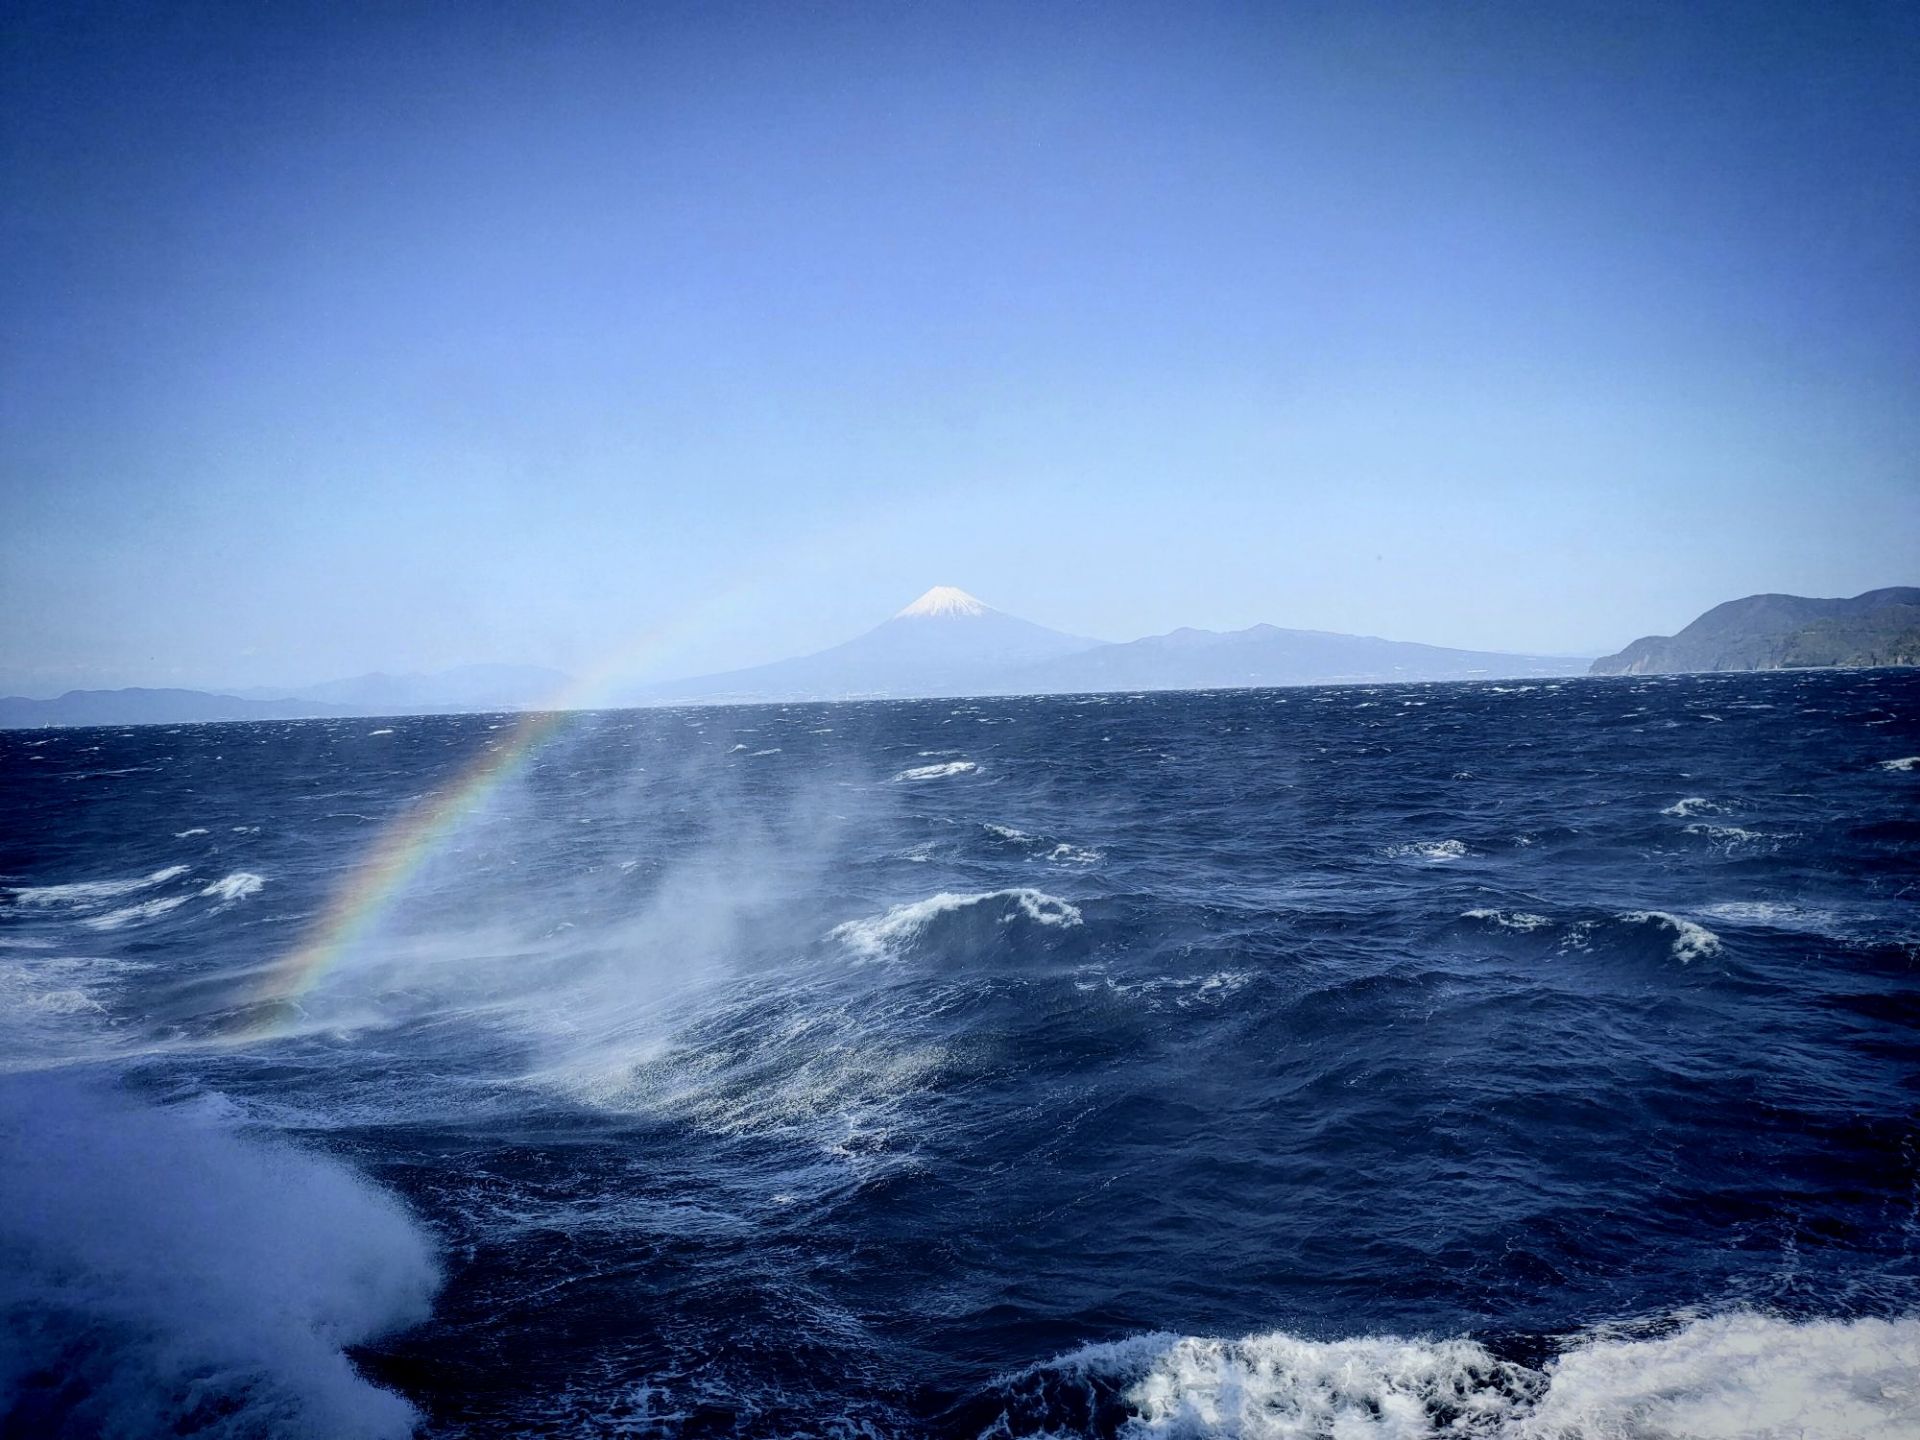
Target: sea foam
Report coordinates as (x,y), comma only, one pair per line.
(937,772)
(1741,1376)
(135,914)
(163,1276)
(1691,941)
(1522,920)
(89,892)
(1434,852)
(237,886)
(1692,805)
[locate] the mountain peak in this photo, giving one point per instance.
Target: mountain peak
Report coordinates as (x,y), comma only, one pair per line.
(944,600)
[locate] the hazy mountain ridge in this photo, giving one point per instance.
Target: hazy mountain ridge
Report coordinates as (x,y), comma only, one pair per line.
(949,643)
(139,705)
(1189,659)
(462,688)
(1783,632)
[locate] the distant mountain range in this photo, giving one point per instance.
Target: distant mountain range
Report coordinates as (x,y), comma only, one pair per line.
(949,643)
(463,688)
(140,706)
(1783,632)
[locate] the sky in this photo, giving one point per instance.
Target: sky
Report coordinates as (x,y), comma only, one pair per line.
(662,339)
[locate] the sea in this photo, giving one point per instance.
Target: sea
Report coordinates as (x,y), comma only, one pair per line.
(1528,1059)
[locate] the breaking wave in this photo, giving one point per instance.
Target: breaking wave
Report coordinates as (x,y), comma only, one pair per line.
(1691,941)
(163,1276)
(937,772)
(905,925)
(1741,1376)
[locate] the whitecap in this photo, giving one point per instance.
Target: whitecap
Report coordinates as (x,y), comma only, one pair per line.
(387,731)
(1432,851)
(237,886)
(189,834)
(1522,920)
(1692,805)
(1690,941)
(1740,1376)
(937,772)
(1065,854)
(884,934)
(1725,834)
(1908,762)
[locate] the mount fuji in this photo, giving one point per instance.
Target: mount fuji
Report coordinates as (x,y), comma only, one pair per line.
(945,643)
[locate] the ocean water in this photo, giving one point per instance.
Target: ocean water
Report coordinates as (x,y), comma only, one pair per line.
(1517,1060)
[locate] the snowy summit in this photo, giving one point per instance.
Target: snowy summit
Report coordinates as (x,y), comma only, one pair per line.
(943,600)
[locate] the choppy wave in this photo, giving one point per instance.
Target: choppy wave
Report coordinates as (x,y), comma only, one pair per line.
(1433,851)
(237,886)
(1742,1376)
(768,1100)
(1065,854)
(1726,834)
(937,772)
(1905,762)
(1685,940)
(1042,847)
(1522,920)
(904,924)
(1691,940)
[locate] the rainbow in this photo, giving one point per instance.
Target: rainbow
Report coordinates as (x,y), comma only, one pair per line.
(406,845)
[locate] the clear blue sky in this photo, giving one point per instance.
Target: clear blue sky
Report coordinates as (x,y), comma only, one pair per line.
(381,335)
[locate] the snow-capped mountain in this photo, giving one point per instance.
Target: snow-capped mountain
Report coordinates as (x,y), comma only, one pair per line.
(945,643)
(944,600)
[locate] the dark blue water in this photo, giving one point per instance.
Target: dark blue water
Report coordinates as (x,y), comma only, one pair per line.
(1364,1061)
